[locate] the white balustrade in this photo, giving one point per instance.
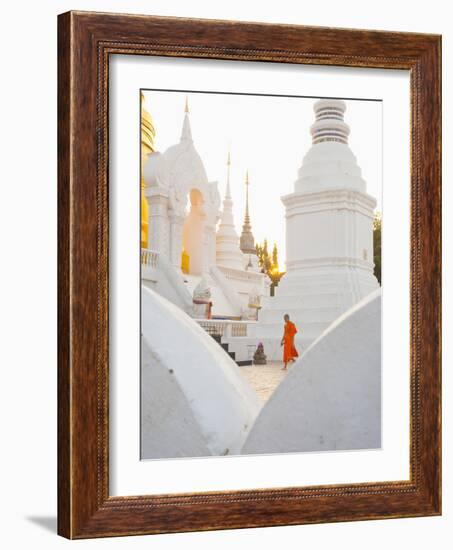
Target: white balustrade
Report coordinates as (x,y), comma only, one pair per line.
(225,328)
(239,329)
(149,258)
(169,282)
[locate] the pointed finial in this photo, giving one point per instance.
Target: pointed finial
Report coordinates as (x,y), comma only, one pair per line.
(228,190)
(247,216)
(186,131)
(247,241)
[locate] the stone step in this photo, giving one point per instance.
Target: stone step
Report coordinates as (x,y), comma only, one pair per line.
(225,346)
(244,363)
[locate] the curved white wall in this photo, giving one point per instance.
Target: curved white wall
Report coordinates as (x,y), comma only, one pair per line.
(331,397)
(203,393)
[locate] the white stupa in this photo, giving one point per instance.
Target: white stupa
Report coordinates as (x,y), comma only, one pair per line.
(329,236)
(228,253)
(184,246)
(183,203)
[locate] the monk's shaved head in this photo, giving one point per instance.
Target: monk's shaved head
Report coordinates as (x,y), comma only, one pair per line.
(286,317)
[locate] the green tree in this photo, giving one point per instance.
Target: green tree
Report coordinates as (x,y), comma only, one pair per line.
(259,253)
(269,263)
(377,234)
(263,254)
(275,258)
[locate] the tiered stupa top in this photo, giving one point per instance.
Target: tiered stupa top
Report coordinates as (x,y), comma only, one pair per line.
(329,163)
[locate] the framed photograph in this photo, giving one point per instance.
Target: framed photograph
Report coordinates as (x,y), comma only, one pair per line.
(249,275)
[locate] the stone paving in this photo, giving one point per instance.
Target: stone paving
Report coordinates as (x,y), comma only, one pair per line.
(264,378)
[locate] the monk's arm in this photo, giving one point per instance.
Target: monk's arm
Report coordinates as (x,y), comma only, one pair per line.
(283,338)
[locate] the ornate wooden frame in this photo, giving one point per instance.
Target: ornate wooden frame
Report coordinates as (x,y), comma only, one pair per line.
(85,41)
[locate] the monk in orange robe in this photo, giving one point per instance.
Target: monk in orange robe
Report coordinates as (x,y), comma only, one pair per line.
(289,350)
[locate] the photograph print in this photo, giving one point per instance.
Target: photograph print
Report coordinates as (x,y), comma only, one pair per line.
(260,257)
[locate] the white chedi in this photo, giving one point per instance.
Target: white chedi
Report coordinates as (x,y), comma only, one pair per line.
(228,253)
(329,236)
(175,183)
(184,240)
(329,217)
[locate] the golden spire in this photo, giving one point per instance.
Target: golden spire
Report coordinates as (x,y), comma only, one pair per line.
(186,108)
(147,131)
(247,241)
(147,146)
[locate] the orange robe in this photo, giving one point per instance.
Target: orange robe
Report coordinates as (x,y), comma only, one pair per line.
(289,351)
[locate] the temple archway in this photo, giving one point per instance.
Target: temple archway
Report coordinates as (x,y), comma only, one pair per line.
(193,235)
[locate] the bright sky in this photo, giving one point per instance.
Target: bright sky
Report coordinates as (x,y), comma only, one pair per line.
(267,136)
